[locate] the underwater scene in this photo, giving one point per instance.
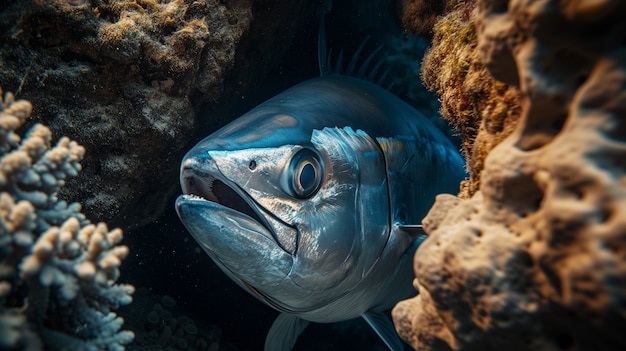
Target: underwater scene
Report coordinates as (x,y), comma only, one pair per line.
(222,175)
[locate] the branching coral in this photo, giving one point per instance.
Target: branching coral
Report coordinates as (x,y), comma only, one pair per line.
(33,171)
(57,270)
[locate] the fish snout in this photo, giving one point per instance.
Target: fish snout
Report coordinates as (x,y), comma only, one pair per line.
(197,174)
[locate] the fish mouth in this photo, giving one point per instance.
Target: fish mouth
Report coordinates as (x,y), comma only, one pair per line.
(225,223)
(221,197)
(207,187)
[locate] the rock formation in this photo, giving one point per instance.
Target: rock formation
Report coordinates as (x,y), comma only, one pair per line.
(125,79)
(536,259)
(483,109)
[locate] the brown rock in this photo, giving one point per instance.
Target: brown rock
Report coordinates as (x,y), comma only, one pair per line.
(536,260)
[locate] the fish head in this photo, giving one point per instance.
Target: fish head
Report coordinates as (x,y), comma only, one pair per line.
(299,224)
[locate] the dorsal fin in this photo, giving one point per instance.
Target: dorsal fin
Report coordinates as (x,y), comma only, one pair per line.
(322,54)
(321,47)
(367,68)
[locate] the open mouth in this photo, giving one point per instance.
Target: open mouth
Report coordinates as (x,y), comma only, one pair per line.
(230,199)
(212,189)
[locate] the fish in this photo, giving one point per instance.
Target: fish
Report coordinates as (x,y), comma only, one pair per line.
(312,202)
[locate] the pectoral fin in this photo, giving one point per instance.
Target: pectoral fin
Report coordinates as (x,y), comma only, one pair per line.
(383,326)
(413,230)
(284,332)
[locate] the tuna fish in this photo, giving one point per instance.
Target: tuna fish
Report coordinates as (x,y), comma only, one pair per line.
(313,200)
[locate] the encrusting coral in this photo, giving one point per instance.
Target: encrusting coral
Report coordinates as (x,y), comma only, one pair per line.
(57,270)
(536,259)
(483,109)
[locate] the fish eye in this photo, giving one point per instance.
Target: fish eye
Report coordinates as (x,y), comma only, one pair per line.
(305,174)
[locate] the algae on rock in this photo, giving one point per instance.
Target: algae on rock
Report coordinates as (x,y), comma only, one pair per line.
(483,109)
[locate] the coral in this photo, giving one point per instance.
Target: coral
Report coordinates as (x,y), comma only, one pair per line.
(119,75)
(536,259)
(57,270)
(483,109)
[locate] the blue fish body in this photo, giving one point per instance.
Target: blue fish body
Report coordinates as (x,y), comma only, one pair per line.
(311,201)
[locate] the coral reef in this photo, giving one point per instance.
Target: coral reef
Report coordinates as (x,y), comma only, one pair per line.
(483,109)
(57,270)
(536,259)
(119,75)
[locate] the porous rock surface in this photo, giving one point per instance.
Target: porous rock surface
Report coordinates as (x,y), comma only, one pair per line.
(125,79)
(536,259)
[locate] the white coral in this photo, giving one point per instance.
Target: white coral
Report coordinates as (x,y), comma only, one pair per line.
(69,266)
(32,169)
(83,255)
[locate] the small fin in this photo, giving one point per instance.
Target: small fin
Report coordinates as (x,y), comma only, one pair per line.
(339,64)
(415,232)
(383,326)
(324,65)
(412,230)
(354,68)
(367,63)
(351,70)
(321,47)
(284,332)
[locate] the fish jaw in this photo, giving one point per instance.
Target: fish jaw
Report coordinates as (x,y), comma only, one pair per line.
(244,248)
(228,224)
